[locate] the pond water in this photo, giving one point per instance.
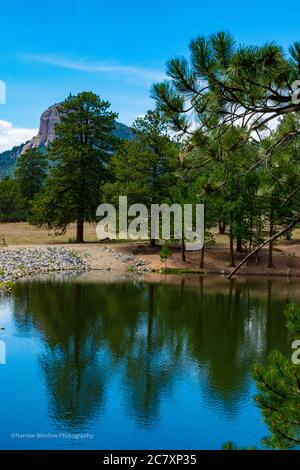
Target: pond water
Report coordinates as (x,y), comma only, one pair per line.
(130,364)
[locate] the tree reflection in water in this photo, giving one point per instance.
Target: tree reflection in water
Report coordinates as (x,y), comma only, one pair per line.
(152,334)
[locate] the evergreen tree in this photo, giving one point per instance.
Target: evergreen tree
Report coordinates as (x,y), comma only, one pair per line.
(11,202)
(83,144)
(278,383)
(30,174)
(279,397)
(219,179)
(227,84)
(143,169)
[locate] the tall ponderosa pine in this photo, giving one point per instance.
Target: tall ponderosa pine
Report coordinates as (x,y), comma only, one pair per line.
(83,144)
(225,85)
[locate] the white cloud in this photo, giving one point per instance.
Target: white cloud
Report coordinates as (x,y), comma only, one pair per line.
(138,73)
(11,136)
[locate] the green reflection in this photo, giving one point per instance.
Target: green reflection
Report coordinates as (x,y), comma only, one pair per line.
(154,334)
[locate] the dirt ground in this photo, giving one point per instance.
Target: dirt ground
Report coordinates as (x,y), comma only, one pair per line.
(286,257)
(286,260)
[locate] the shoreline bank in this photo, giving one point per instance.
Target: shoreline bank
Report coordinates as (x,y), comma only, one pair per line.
(19,261)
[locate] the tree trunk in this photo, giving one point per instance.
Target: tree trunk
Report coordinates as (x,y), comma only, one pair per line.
(222,227)
(288,235)
(239,245)
(251,232)
(250,236)
(232,263)
(152,242)
(203,247)
(79,236)
(183,250)
(270,263)
(201,266)
(257,249)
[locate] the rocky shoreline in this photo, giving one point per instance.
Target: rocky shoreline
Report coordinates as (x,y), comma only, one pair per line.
(17,263)
(132,263)
(23,262)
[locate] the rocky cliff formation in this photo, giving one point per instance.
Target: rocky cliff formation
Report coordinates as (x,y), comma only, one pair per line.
(46,133)
(50,118)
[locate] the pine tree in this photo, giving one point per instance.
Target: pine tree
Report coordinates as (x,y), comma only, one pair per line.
(30,174)
(143,169)
(83,144)
(225,83)
(11,202)
(279,397)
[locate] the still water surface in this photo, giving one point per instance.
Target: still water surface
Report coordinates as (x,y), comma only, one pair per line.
(137,365)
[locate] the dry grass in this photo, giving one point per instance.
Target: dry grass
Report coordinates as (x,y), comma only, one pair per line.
(223,240)
(22,233)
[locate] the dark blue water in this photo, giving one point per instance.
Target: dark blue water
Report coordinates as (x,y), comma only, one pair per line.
(131,365)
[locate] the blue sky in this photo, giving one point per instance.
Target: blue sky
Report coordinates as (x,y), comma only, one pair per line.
(116,49)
